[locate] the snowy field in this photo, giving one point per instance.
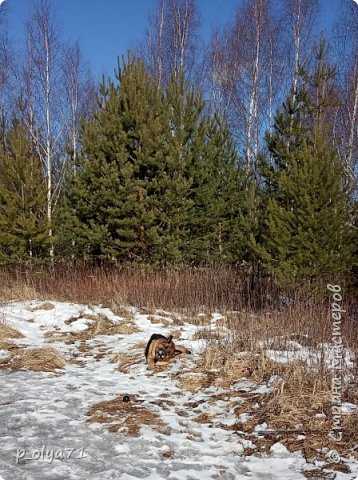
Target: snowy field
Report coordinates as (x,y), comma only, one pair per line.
(44,423)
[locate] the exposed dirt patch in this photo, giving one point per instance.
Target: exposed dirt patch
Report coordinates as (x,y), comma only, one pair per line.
(205,418)
(126,417)
(168,453)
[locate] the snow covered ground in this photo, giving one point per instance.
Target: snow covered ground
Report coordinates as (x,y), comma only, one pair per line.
(44,427)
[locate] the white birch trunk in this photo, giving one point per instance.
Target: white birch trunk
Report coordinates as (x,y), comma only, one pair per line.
(254,91)
(297,42)
(48,145)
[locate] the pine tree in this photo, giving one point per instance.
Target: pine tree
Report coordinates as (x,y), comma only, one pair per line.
(127,193)
(157,180)
(216,194)
(306,231)
(23,221)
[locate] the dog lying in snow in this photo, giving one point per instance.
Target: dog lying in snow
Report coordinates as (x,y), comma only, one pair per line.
(160,350)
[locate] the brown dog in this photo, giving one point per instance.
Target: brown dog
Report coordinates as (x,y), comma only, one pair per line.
(160,350)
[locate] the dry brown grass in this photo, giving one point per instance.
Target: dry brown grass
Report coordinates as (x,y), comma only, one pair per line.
(307,323)
(138,346)
(299,401)
(205,418)
(206,334)
(6,345)
(192,381)
(44,359)
(43,306)
(126,361)
(168,453)
(201,320)
(187,289)
(7,332)
(302,408)
(159,320)
(299,395)
(103,326)
(121,311)
(126,417)
(100,325)
(201,377)
(16,290)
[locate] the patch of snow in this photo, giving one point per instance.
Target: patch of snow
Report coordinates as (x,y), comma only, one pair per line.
(49,409)
(261,428)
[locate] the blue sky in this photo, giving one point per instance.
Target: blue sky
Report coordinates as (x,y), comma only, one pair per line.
(107,28)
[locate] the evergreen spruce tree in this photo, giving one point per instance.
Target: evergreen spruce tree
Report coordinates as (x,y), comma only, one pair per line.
(305,231)
(23,221)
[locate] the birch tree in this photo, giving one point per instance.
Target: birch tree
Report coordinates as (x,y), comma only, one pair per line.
(247,71)
(38,98)
(5,59)
(172,40)
(301,17)
(345,35)
(78,93)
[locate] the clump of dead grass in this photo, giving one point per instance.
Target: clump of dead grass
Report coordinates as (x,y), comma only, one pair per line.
(44,359)
(6,332)
(206,334)
(159,320)
(201,319)
(44,306)
(100,325)
(192,381)
(226,360)
(138,346)
(126,417)
(121,311)
(126,361)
